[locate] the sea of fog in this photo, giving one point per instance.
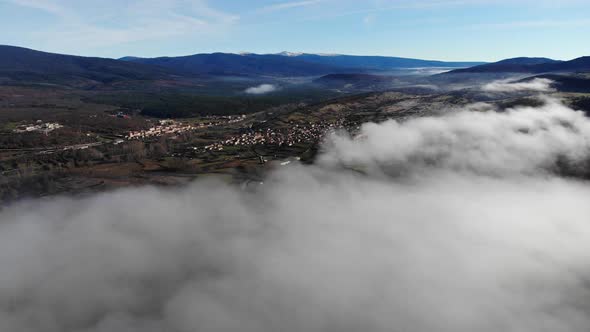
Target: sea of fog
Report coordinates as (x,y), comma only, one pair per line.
(476,220)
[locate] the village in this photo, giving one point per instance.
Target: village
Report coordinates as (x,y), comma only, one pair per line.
(294,134)
(164,127)
(173,127)
(39,126)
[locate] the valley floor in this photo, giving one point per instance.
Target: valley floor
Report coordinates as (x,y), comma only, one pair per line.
(71,146)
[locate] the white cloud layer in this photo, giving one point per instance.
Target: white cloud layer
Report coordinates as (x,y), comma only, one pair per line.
(288,5)
(456,223)
(90,24)
(537,84)
(493,143)
(261,89)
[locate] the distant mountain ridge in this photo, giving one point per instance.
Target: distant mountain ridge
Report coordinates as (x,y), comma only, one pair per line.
(379,63)
(25,65)
(289,63)
(529,65)
(237,64)
(526,61)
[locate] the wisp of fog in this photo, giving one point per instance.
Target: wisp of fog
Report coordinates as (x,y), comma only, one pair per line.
(470,221)
(261,89)
(536,84)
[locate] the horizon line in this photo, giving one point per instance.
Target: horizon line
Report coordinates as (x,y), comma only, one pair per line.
(283,53)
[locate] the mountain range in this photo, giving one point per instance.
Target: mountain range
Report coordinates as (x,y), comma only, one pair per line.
(237,65)
(288,64)
(529,65)
(25,66)
(19,64)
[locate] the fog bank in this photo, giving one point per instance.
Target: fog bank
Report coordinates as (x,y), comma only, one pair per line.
(453,223)
(536,84)
(261,89)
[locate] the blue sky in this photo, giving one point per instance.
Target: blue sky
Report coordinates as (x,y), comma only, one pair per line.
(484,30)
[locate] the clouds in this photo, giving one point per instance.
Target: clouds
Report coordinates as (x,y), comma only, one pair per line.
(369,19)
(537,84)
(452,223)
(528,140)
(288,5)
(44,5)
(180,27)
(545,24)
(261,89)
(112,24)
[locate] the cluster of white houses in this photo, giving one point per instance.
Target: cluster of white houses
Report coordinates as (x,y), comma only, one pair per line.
(165,127)
(309,132)
(40,126)
(171,127)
